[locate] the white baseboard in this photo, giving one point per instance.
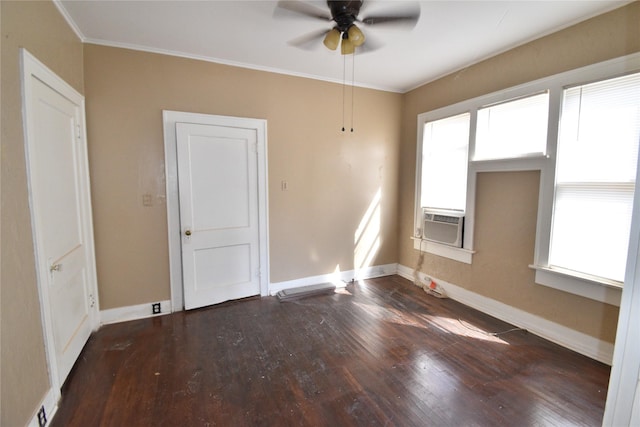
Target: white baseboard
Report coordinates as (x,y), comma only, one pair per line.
(132,312)
(50,405)
(554,332)
(339,278)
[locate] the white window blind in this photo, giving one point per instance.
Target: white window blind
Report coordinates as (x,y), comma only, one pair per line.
(595,177)
(512,129)
(444,162)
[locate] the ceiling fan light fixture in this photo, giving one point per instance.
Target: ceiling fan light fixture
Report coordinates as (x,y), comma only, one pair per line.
(355,35)
(347,47)
(332,39)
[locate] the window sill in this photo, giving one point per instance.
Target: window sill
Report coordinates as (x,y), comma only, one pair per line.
(608,292)
(445,251)
(524,156)
(523,163)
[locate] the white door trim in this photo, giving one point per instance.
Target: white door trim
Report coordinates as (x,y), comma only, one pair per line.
(31,69)
(623,397)
(170,118)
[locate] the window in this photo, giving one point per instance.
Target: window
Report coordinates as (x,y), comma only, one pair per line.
(581,130)
(595,177)
(515,128)
(444,163)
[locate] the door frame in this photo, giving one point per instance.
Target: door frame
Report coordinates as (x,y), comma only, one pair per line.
(170,118)
(32,68)
(623,396)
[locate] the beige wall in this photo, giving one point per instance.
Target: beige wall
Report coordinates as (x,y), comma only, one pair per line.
(332,177)
(506,202)
(39,27)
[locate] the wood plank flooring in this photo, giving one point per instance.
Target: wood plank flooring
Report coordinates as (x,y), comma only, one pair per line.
(380,352)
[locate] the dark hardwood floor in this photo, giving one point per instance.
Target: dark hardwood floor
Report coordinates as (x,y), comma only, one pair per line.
(381,352)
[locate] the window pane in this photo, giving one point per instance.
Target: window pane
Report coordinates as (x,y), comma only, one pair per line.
(599,132)
(591,227)
(444,163)
(513,129)
(595,177)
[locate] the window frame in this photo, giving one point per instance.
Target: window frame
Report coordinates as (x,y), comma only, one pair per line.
(459,254)
(579,284)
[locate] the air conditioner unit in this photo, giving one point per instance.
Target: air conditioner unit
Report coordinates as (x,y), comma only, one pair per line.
(442,226)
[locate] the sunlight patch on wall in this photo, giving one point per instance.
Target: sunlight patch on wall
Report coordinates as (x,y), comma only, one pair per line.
(336,276)
(367,235)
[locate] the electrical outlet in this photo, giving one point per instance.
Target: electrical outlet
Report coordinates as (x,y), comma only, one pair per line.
(42,417)
(155,308)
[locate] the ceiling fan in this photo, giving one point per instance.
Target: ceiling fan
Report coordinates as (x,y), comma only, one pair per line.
(345,15)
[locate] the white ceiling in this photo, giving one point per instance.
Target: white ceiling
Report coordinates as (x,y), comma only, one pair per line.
(449,35)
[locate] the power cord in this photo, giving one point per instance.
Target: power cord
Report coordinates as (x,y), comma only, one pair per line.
(418,269)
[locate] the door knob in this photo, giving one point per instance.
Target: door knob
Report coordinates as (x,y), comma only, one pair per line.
(55,267)
(187,233)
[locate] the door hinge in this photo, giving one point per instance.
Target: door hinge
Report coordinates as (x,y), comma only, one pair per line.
(92,301)
(78,133)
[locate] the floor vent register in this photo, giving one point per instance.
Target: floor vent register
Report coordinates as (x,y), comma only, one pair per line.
(306,291)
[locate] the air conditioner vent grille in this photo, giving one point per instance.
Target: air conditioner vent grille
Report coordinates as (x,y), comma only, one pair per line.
(447,219)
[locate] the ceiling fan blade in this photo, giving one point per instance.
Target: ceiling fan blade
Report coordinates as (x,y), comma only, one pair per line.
(406,16)
(302,8)
(309,41)
(408,21)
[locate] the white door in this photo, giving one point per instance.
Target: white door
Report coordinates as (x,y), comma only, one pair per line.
(61,214)
(218,192)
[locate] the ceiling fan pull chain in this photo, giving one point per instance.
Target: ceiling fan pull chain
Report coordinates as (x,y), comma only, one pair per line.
(344,78)
(353,79)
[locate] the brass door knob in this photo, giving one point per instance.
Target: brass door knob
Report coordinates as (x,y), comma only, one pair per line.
(187,233)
